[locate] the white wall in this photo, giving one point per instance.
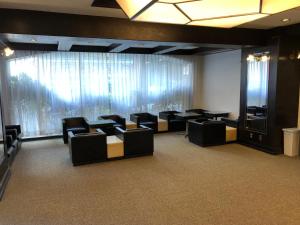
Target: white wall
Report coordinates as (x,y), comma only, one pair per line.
(219,83)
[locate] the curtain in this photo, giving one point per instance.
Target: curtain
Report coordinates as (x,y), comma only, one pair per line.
(257,82)
(44,87)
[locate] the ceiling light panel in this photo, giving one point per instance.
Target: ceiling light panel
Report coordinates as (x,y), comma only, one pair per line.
(227,22)
(132,7)
(276,6)
(174,1)
(206,9)
(162,13)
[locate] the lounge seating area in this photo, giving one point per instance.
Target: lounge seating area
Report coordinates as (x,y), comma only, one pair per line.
(112,137)
(149,112)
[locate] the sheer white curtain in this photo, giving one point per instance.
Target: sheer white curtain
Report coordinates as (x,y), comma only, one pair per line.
(44,87)
(257,82)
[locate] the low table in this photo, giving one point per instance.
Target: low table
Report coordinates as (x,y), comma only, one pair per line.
(93,125)
(115,147)
(187,116)
(216,114)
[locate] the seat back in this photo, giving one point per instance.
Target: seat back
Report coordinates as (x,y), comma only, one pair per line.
(87,147)
(207,133)
(75,122)
(138,141)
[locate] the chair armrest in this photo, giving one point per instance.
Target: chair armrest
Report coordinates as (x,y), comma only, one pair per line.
(86,124)
(17,127)
(12,132)
(153,118)
(98,130)
(120,133)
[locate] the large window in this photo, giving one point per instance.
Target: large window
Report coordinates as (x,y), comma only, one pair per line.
(44,87)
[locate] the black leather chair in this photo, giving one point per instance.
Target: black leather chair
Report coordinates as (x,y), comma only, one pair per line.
(85,148)
(17,128)
(120,122)
(145,119)
(137,142)
(207,133)
(174,124)
(11,146)
(13,140)
(75,124)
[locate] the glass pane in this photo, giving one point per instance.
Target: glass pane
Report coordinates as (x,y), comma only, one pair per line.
(257,92)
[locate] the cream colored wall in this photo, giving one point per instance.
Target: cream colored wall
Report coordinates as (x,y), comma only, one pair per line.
(219,83)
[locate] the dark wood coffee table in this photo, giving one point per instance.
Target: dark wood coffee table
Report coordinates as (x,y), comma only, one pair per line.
(93,125)
(186,116)
(216,114)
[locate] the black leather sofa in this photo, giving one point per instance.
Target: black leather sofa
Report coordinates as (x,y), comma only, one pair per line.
(137,142)
(13,140)
(174,124)
(85,148)
(145,119)
(207,133)
(120,122)
(75,124)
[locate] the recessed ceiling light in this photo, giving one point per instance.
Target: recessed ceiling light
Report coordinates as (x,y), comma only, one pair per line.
(285,20)
(8,51)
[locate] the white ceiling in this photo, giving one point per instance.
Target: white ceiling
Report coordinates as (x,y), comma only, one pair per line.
(83,7)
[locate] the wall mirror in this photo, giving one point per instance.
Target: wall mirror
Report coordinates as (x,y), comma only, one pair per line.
(257,92)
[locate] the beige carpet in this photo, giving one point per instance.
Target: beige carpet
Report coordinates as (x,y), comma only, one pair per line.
(181,184)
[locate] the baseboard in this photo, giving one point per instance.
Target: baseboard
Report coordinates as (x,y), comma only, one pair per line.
(260,148)
(4,181)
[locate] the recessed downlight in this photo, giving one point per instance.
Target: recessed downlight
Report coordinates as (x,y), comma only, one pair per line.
(286,20)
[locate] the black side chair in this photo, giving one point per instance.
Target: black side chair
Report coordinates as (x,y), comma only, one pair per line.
(75,124)
(85,148)
(145,119)
(137,142)
(120,122)
(207,133)
(174,124)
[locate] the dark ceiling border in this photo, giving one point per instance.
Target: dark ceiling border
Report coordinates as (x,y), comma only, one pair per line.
(59,24)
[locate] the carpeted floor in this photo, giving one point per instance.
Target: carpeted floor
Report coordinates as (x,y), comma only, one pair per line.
(181,184)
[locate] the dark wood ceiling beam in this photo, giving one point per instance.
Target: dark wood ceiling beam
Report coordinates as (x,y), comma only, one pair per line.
(59,24)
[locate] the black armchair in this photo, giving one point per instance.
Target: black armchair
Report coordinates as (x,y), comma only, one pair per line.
(207,133)
(17,128)
(11,146)
(75,124)
(174,124)
(145,119)
(120,122)
(87,148)
(137,142)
